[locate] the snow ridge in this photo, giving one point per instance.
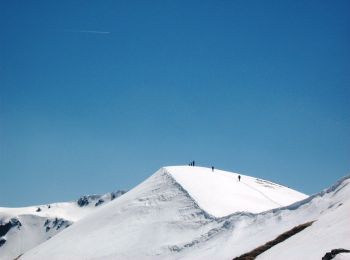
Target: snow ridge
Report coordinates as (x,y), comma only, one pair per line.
(334,188)
(186,193)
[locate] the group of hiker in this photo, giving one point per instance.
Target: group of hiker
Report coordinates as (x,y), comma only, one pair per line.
(192,163)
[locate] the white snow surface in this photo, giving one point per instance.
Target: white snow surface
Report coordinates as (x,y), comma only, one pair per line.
(220,193)
(342,256)
(183,212)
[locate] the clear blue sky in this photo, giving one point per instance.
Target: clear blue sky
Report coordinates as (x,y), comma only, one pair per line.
(97,95)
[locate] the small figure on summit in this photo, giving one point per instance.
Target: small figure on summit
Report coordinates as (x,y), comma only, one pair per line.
(212,168)
(239,177)
(191,163)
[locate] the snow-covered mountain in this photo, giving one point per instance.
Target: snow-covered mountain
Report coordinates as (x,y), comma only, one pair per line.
(188,212)
(24,228)
(179,212)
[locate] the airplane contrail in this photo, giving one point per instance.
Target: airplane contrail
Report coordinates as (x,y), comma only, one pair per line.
(88,31)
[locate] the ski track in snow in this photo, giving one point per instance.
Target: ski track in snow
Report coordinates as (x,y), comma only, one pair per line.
(263,194)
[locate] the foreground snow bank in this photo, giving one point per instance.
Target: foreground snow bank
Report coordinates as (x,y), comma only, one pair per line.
(331,229)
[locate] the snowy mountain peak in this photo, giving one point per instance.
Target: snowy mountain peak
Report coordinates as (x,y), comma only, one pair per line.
(175,209)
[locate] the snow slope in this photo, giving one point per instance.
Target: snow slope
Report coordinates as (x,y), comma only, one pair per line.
(220,193)
(172,213)
(30,226)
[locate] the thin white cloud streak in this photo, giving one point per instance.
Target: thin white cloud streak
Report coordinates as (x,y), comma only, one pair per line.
(88,31)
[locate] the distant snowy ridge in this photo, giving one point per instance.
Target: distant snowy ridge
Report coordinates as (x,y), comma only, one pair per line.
(24,228)
(336,187)
(68,210)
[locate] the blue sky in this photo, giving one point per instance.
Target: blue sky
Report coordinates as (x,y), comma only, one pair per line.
(257,87)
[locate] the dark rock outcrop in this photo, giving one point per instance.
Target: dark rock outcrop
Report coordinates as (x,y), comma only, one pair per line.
(4,228)
(56,223)
(117,194)
(334,252)
(99,202)
(261,249)
(83,201)
(98,199)
(2,241)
